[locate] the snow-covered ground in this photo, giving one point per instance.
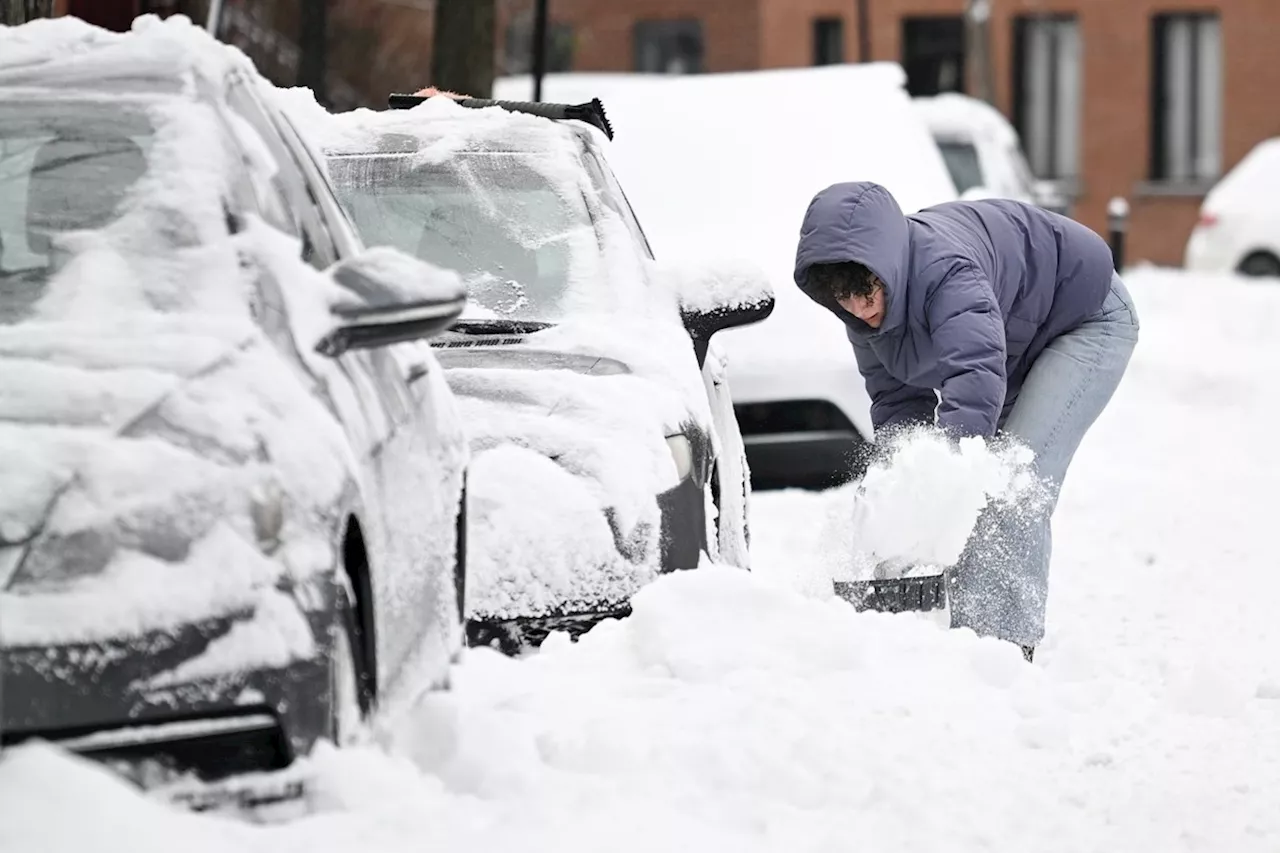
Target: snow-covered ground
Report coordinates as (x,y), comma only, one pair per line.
(744,712)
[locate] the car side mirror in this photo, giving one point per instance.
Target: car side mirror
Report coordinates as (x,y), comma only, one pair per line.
(717,296)
(400,299)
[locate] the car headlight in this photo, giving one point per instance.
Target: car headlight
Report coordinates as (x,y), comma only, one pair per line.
(682,455)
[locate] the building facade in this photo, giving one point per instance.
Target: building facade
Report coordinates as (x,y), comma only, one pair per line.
(1149,100)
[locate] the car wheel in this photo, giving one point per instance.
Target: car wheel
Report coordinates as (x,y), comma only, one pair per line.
(1261,265)
(344,683)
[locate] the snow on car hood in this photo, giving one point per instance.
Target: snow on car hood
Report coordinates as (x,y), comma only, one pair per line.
(568,431)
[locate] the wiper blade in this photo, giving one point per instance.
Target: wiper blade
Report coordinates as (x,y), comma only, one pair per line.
(498,327)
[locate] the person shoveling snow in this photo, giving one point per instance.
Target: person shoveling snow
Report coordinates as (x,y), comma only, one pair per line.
(986,318)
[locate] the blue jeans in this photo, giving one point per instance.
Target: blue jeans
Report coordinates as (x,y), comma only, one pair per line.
(999,586)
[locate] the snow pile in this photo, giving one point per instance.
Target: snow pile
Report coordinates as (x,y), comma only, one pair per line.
(727,713)
(915,510)
(541,541)
(441,126)
(66,51)
(605,429)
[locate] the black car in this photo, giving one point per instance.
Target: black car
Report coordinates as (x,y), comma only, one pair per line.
(605,449)
(231,477)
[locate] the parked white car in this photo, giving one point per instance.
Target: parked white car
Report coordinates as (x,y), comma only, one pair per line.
(983,152)
(732,161)
(1239,226)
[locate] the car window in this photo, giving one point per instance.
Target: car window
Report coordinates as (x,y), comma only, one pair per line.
(523,241)
(287,180)
(963,164)
(607,183)
(62,168)
(339,225)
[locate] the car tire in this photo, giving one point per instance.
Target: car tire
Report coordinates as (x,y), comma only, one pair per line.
(346,708)
(460,555)
(1260,265)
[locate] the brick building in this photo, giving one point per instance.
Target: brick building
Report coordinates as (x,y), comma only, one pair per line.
(1152,100)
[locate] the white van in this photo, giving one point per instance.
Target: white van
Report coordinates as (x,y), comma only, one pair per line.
(729,163)
(983,152)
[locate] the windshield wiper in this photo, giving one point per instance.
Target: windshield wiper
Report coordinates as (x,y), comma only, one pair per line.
(498,327)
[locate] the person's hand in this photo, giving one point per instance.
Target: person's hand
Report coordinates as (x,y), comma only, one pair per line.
(432,91)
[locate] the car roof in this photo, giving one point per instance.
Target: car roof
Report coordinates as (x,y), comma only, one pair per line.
(157,57)
(531,138)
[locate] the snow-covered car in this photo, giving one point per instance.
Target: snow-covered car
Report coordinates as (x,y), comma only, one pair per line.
(605,449)
(228,521)
(983,152)
(731,161)
(1239,225)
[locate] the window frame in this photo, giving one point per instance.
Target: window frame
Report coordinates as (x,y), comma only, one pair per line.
(1161,169)
(666,33)
(828,40)
(1052,166)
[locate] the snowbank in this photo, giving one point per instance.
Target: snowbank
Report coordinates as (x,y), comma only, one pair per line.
(727,713)
(542,542)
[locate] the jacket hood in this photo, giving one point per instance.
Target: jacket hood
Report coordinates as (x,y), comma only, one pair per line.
(858,221)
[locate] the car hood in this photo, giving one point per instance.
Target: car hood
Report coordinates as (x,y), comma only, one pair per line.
(156,476)
(530,358)
(591,413)
(570,447)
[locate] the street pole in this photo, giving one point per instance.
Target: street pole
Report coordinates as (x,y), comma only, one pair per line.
(215,14)
(864,32)
(539,47)
(978,31)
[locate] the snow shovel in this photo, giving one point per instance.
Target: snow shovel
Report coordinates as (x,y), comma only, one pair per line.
(896,595)
(892,590)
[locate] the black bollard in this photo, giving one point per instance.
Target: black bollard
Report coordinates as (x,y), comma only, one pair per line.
(1117,225)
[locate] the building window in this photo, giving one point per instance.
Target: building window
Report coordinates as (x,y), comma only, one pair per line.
(828,41)
(1186,98)
(669,47)
(1046,93)
(517,54)
(933,54)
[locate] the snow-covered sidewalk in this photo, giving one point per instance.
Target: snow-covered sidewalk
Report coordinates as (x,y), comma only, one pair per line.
(739,712)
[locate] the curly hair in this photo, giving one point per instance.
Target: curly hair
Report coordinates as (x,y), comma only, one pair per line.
(838,281)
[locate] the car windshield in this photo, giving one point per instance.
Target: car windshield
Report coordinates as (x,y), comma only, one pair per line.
(63,167)
(516,225)
(962,163)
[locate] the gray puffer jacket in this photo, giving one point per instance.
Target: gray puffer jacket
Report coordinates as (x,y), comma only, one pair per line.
(974,291)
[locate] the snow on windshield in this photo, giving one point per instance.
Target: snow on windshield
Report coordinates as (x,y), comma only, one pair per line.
(515,236)
(508,200)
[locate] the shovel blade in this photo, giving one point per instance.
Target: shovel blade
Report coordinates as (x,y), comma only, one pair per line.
(895,595)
